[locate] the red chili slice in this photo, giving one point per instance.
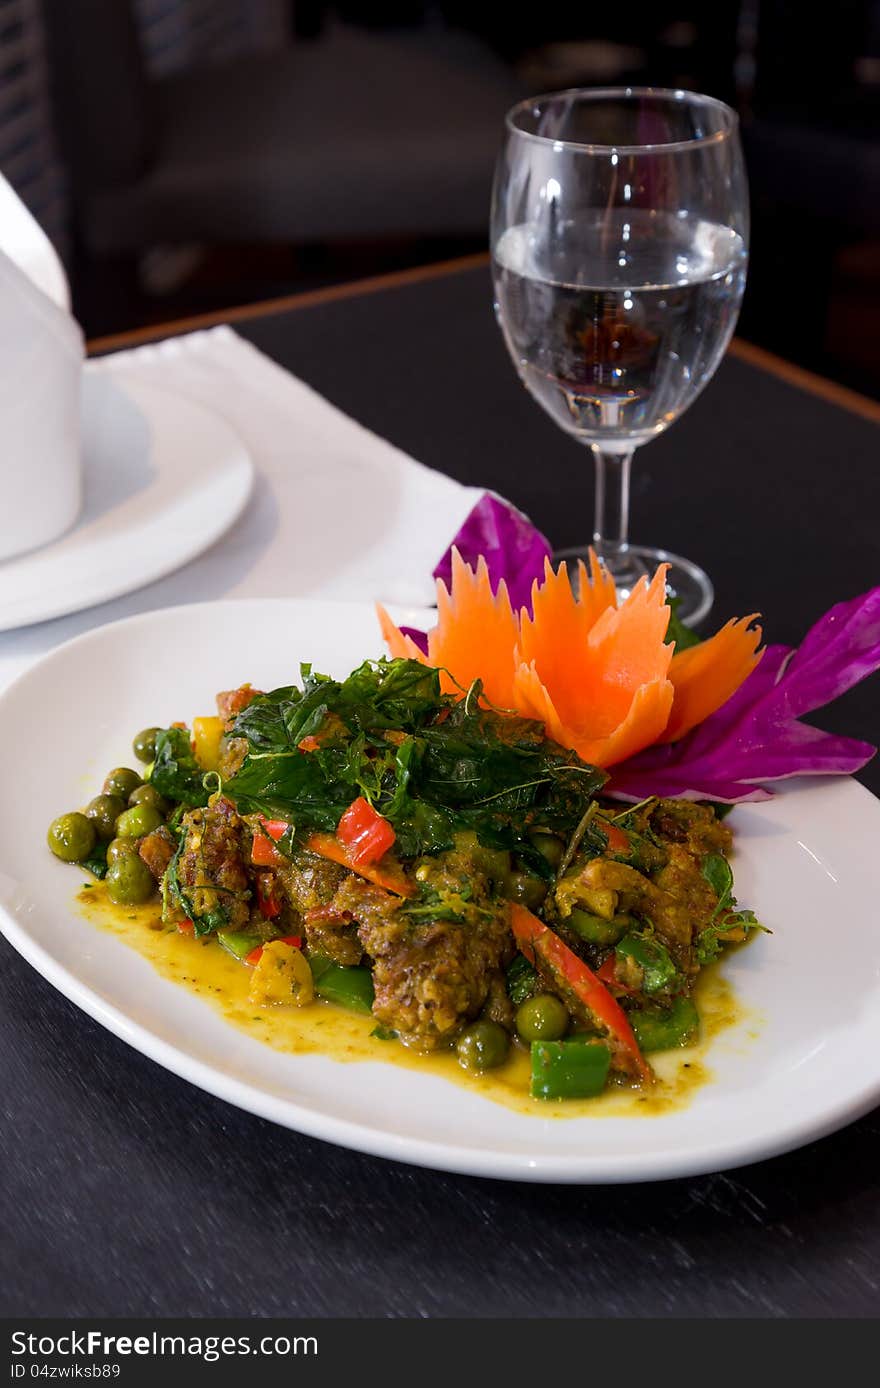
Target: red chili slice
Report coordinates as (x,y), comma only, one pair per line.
(540,944)
(365,833)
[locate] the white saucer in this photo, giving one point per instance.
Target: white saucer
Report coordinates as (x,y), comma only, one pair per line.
(164,479)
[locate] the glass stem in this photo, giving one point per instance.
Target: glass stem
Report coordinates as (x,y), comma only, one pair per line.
(611,524)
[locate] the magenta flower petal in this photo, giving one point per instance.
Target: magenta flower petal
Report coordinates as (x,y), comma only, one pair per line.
(513,549)
(806,751)
(757,736)
(740,705)
(419,637)
(841,649)
(638,784)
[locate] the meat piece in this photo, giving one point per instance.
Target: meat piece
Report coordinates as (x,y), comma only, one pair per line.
(694,826)
(233,751)
(498,1007)
(309,880)
(157,850)
(370,906)
(231,702)
(637,895)
(212,868)
(270,904)
(678,903)
(334,933)
(431,977)
(682,881)
(577,890)
(311,883)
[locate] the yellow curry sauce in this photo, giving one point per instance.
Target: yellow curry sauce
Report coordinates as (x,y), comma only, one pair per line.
(214,975)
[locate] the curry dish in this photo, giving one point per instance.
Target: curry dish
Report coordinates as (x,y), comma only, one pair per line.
(433,866)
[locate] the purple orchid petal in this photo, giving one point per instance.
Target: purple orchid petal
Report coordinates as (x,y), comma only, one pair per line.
(419,637)
(841,649)
(756,736)
(513,549)
(725,722)
(636,784)
(803,751)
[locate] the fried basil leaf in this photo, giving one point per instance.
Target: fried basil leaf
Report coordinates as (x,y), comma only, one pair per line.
(176,774)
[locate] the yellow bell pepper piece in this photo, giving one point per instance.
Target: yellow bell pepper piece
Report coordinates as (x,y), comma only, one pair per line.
(207,733)
(281,976)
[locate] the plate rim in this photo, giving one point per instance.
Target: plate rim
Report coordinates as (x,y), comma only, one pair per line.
(143,393)
(639,1166)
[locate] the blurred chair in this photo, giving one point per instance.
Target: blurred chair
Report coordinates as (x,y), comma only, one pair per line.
(348,136)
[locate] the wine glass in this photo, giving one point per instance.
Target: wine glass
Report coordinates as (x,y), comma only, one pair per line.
(619,247)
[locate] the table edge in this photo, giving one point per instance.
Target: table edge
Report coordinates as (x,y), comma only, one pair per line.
(287,303)
(748,352)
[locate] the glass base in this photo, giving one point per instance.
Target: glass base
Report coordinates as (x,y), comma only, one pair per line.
(686,581)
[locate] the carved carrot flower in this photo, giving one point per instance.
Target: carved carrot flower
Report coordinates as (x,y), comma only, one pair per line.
(599,674)
(596,674)
(475,636)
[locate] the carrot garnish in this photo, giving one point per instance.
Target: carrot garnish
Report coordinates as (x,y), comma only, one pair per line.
(609,695)
(400,646)
(705,676)
(599,674)
(475,633)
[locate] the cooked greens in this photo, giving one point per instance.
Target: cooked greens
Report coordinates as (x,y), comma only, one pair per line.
(728,925)
(176,774)
(428,763)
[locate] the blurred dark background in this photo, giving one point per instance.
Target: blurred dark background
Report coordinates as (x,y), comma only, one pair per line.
(188,155)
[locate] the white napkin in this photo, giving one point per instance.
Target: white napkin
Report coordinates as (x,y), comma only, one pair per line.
(356,518)
(337,512)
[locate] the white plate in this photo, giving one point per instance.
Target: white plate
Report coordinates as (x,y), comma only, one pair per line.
(803,862)
(164,478)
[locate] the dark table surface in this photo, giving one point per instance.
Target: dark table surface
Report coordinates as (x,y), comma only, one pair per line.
(125,1191)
